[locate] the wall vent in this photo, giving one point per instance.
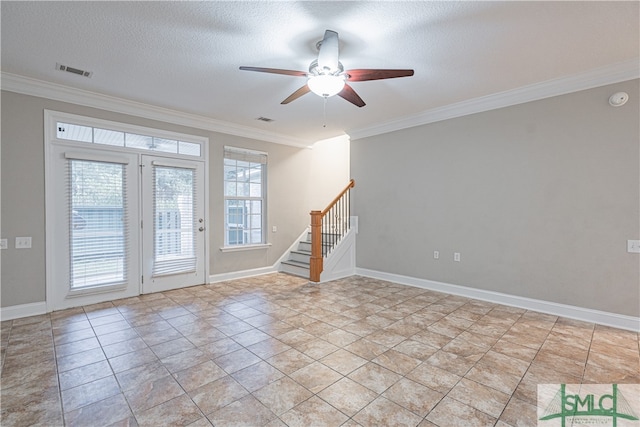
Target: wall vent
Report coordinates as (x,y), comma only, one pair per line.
(73,70)
(264,119)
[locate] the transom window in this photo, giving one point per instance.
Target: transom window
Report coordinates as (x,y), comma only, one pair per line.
(116,138)
(244,196)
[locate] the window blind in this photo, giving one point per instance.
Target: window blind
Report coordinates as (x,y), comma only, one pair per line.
(98,225)
(174,220)
(245,155)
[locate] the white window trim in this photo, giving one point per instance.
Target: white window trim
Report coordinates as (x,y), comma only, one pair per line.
(53,117)
(260,157)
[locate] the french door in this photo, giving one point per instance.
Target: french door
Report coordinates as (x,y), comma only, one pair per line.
(120,224)
(172,223)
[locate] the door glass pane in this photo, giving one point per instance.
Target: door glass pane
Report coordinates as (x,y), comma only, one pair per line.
(97,223)
(174,220)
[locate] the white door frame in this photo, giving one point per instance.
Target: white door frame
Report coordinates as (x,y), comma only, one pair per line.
(51,118)
(60,230)
(161,283)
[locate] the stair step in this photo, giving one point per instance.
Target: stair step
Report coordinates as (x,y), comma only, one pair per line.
(296,263)
(299,259)
(300,256)
(304,246)
(296,268)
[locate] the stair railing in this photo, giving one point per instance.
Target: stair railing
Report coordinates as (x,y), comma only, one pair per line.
(328,227)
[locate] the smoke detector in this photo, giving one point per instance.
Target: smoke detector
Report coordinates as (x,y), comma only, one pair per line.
(618,99)
(73,70)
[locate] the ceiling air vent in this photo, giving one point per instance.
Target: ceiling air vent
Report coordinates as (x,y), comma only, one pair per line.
(73,70)
(264,119)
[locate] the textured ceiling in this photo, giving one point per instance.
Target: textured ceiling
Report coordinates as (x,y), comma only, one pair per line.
(185,55)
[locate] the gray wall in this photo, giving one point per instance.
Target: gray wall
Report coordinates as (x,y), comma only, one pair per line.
(538,198)
(23,209)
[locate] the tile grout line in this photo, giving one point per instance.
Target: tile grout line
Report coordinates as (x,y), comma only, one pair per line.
(313,303)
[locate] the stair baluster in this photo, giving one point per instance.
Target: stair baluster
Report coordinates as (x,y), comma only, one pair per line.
(327,229)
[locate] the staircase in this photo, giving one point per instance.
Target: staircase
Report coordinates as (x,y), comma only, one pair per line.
(298,262)
(329,230)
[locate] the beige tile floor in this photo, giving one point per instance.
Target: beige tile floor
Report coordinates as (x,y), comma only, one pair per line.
(275,350)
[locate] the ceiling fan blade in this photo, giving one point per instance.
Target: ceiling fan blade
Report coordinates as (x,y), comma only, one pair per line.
(297,94)
(328,55)
(360,75)
(350,95)
(276,71)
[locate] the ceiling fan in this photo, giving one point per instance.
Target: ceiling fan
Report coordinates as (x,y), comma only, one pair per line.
(327,77)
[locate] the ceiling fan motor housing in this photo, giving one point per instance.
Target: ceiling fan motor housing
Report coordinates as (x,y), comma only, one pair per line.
(316,70)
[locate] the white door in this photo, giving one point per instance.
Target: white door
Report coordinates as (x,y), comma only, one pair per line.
(173,223)
(93,245)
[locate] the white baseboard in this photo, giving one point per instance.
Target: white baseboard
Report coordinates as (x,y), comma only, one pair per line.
(23,310)
(579,313)
(36,308)
(573,312)
(242,274)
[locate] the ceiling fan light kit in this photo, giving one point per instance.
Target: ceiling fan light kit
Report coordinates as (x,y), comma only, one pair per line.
(326,76)
(326,85)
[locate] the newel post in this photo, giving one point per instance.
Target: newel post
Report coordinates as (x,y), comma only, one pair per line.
(315,264)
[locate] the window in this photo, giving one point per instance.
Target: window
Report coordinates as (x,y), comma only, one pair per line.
(244,196)
(95,135)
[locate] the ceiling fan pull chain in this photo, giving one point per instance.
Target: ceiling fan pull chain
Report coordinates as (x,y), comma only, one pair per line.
(324,113)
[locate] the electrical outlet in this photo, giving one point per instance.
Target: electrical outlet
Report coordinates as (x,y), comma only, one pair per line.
(23,242)
(436,255)
(274,229)
(456,256)
(633,246)
(3,243)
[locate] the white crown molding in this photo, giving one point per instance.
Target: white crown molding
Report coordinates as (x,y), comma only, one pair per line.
(611,74)
(57,92)
(615,73)
(564,310)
